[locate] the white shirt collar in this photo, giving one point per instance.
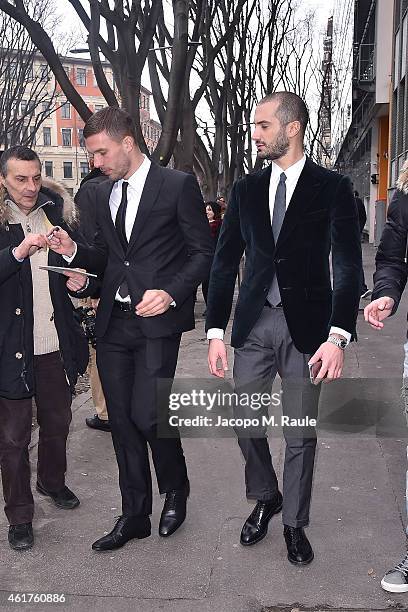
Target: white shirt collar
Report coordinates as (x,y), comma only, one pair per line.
(292,173)
(139,174)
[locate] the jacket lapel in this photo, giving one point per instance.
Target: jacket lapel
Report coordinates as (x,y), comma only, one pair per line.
(103,194)
(307,189)
(149,196)
(262,218)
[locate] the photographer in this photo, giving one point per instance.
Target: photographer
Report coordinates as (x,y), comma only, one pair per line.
(86,203)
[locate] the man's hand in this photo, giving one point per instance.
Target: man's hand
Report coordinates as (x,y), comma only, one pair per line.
(377,311)
(332,358)
(59,241)
(154,302)
(30,244)
(217,351)
(76,281)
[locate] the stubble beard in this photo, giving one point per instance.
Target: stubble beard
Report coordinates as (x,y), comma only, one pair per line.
(277,149)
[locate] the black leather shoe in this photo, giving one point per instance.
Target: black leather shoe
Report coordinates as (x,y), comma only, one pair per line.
(64,498)
(21,537)
(174,511)
(300,551)
(126,528)
(256,526)
(96,423)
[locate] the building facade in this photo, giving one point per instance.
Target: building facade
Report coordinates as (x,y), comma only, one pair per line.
(362,61)
(59,141)
(399,94)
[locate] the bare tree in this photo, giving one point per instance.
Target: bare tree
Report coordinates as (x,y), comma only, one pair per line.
(129,33)
(27,93)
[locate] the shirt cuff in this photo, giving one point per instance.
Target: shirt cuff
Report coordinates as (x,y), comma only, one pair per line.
(84,287)
(173,303)
(342,332)
(69,259)
(19,260)
(215,333)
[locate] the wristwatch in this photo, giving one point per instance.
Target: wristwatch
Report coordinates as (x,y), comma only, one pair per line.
(340,342)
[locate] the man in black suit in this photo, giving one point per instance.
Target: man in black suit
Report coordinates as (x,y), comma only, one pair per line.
(287,218)
(153,248)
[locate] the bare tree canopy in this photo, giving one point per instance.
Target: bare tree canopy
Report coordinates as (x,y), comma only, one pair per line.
(27,95)
(209,62)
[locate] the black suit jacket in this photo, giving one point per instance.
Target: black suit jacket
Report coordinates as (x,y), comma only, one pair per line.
(170,248)
(321,216)
(391,271)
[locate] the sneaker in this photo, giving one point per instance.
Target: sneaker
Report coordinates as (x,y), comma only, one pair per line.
(65,498)
(366,294)
(396,580)
(21,537)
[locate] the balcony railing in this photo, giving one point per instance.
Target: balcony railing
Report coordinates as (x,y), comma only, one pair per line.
(364,71)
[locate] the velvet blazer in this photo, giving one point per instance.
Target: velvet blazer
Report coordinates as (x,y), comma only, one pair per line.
(320,219)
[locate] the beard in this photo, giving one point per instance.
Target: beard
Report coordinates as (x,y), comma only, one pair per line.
(277,149)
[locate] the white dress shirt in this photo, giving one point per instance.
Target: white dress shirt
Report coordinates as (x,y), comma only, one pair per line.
(134,193)
(292,176)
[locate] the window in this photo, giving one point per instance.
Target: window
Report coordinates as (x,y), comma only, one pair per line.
(66,110)
(66,137)
(23,107)
(81,76)
(98,107)
(49,170)
(81,139)
(44,72)
(45,107)
(67,170)
(84,169)
(32,130)
(47,136)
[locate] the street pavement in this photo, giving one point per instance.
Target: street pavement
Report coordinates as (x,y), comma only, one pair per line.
(357,514)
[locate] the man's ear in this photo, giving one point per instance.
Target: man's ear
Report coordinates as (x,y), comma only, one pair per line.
(293,129)
(129,143)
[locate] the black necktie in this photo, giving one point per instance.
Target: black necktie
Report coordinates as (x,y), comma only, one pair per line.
(120,221)
(120,225)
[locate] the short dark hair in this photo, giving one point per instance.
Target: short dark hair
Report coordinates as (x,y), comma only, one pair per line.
(291,108)
(116,122)
(17,152)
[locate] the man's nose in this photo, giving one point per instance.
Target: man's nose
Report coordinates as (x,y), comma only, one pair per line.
(31,185)
(97,161)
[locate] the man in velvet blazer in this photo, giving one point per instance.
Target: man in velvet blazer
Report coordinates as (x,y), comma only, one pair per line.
(152,249)
(287,219)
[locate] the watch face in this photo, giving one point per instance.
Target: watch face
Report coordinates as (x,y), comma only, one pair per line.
(343,344)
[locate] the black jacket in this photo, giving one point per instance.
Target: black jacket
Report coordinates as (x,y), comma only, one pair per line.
(16,308)
(322,216)
(391,260)
(86,202)
(170,248)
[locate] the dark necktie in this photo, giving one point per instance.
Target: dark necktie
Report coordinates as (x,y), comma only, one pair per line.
(120,225)
(279,211)
(120,221)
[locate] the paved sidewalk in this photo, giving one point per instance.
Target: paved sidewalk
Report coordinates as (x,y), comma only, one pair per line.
(357,520)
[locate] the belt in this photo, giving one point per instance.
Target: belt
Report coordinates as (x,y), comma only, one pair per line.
(123,306)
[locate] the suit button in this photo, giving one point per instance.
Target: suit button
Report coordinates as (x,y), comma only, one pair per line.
(18,311)
(19,355)
(126,263)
